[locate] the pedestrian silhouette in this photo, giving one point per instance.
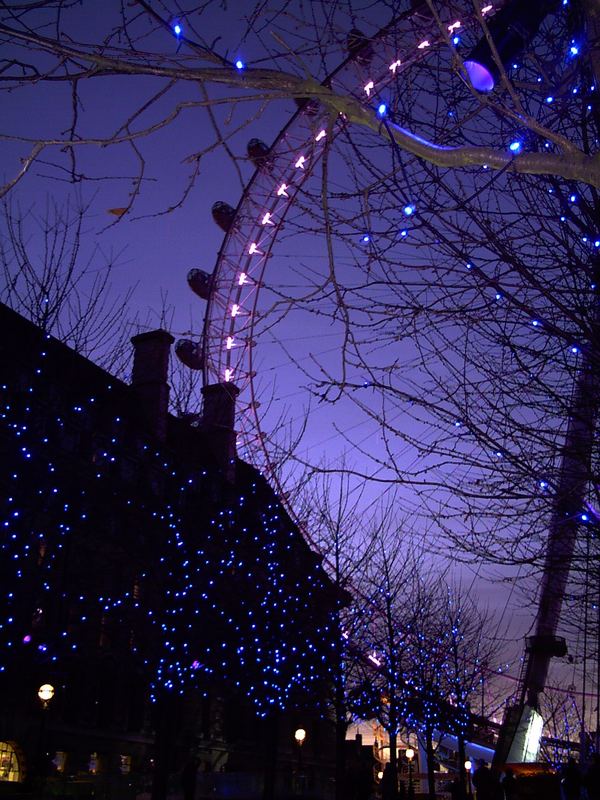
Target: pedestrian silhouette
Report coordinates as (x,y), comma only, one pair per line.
(571,780)
(188,779)
(509,785)
(389,784)
(483,782)
(592,778)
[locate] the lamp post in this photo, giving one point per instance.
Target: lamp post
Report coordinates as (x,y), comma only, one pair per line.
(410,754)
(300,736)
(45,693)
(468,767)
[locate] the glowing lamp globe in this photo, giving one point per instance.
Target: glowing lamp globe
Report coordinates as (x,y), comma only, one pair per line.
(300,736)
(410,753)
(481,78)
(46,692)
(468,766)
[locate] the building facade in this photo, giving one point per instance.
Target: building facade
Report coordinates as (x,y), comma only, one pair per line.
(157,584)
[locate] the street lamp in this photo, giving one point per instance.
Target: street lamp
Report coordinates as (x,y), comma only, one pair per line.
(468,767)
(300,736)
(45,694)
(410,754)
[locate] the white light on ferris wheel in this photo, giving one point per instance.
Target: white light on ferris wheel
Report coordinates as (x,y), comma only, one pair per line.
(320,135)
(454,27)
(242,279)
(228,375)
(230,342)
(487,9)
(254,249)
(300,163)
(369,88)
(394,66)
(266,220)
(281,192)
(425,43)
(235,310)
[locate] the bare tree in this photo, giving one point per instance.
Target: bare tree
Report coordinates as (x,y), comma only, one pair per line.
(476,347)
(44,45)
(51,276)
(389,581)
(346,540)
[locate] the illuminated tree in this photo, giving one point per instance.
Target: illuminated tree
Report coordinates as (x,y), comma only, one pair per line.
(459,229)
(346,541)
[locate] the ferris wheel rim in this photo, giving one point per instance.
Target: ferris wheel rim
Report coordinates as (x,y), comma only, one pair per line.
(212,369)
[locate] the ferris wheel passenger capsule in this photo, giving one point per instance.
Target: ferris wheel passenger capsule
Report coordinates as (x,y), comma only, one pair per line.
(306,104)
(189,353)
(200,282)
(359,47)
(223,214)
(258,153)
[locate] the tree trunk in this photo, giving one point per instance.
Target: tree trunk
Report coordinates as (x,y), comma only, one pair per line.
(340,757)
(394,761)
(164,745)
(462,757)
(270,757)
(430,762)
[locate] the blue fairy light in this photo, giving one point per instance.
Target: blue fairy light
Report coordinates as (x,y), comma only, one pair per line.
(239,64)
(549,99)
(177,29)
(514,147)
(404,233)
(366,238)
(456,40)
(408,210)
(382,109)
(574,50)
(573,198)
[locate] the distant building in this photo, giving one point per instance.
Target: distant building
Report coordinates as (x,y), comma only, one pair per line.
(156,582)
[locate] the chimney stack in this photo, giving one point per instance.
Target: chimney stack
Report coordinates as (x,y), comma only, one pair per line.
(218,420)
(149,378)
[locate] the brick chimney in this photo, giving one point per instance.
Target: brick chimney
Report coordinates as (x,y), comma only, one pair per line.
(218,420)
(149,378)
